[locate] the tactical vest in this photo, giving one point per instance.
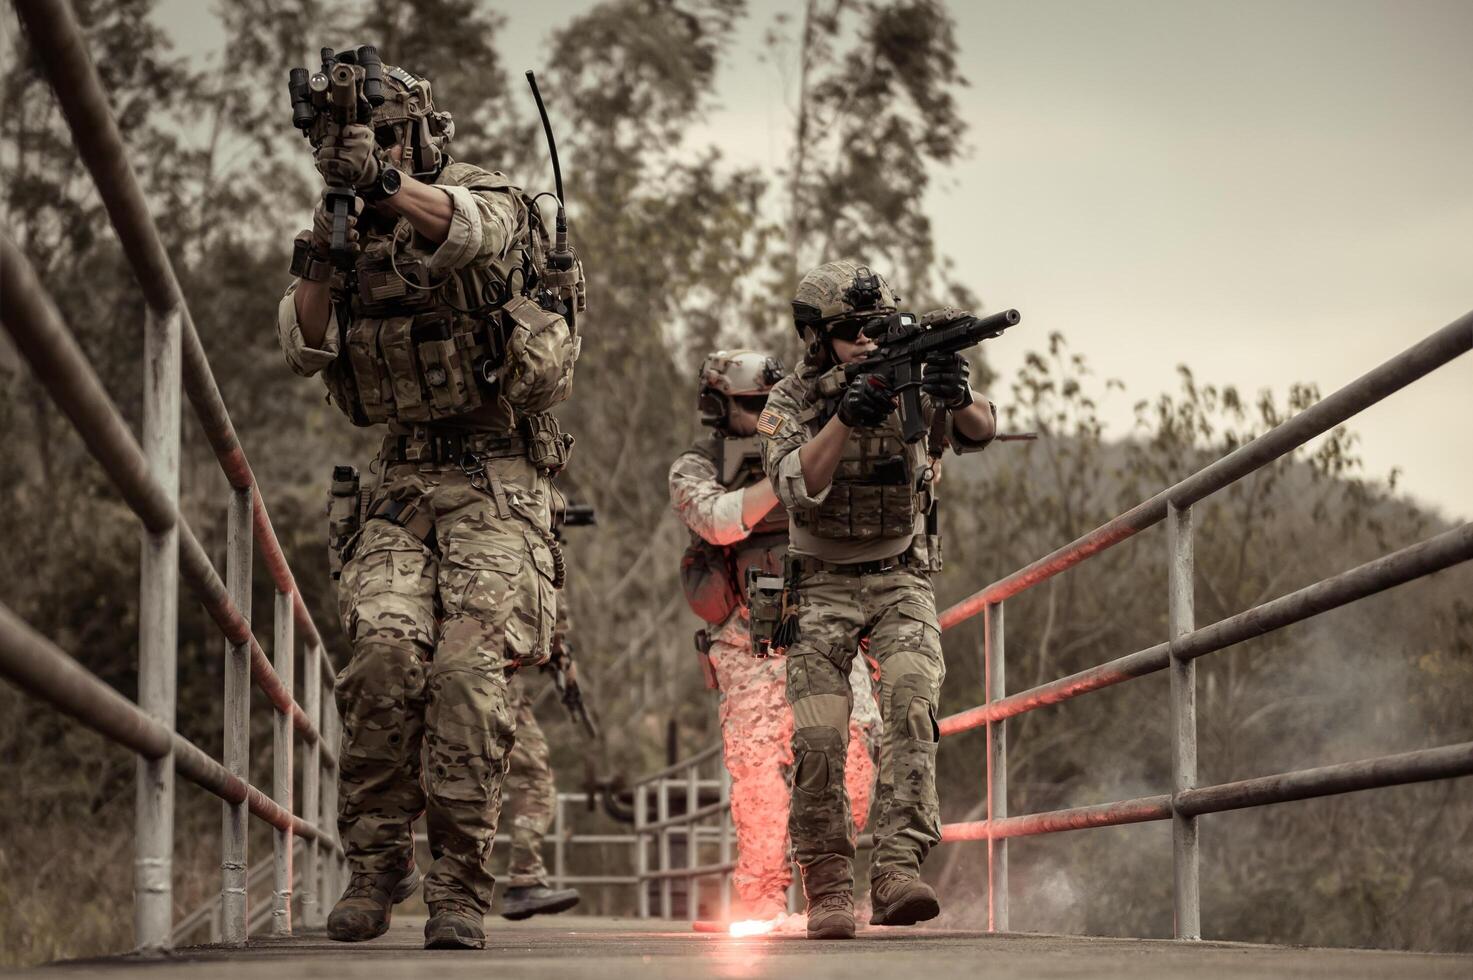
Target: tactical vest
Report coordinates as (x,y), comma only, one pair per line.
(876,489)
(714,576)
(419,347)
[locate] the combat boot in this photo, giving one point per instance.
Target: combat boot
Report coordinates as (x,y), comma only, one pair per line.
(828,884)
(900,898)
(454,924)
(529,900)
(364,910)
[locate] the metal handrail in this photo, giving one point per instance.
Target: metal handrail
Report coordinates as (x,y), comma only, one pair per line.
(61,49)
(658,835)
(1188,642)
(146,472)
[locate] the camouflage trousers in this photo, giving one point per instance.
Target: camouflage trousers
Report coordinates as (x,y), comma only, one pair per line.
(897,610)
(756,732)
(432,636)
(530,792)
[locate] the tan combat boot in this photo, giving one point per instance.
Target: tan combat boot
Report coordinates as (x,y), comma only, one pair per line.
(454,924)
(828,883)
(900,898)
(363,911)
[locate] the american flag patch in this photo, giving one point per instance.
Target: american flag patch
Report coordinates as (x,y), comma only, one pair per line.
(769,422)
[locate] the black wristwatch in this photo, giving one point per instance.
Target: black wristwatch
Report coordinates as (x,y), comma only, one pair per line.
(389,180)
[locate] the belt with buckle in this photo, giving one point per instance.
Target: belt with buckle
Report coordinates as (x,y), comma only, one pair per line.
(439,447)
(805,565)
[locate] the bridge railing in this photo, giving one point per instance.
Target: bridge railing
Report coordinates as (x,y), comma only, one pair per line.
(1187,641)
(682,813)
(147,477)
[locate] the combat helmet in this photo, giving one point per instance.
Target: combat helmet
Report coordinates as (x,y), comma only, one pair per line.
(838,291)
(408,116)
(729,373)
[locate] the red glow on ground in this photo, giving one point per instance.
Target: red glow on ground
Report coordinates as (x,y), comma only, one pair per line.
(752,927)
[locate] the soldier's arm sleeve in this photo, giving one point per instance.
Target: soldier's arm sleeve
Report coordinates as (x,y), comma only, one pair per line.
(959,441)
(302,359)
(486,223)
(702,503)
(782,436)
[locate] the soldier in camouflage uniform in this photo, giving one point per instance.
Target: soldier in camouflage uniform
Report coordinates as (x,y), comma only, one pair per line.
(531,792)
(860,561)
(719,492)
(451,328)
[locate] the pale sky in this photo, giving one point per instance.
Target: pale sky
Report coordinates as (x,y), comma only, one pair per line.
(1268,191)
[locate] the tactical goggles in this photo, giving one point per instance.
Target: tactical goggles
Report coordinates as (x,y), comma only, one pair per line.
(751,403)
(850,329)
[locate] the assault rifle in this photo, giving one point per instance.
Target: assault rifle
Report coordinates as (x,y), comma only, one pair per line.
(905,342)
(564,678)
(346,90)
(578,515)
(565,683)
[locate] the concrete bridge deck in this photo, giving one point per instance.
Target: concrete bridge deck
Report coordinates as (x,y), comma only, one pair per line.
(622,949)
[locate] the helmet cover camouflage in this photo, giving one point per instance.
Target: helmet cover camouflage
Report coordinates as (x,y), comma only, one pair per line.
(725,373)
(837,291)
(409,109)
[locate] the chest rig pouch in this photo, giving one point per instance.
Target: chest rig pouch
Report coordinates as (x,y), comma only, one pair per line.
(873,493)
(412,351)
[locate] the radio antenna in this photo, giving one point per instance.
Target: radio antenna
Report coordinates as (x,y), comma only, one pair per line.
(561,256)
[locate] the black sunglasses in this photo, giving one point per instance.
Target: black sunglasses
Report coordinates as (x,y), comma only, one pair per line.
(849,330)
(751,403)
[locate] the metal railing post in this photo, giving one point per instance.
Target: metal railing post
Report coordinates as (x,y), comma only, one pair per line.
(725,843)
(692,846)
(333,868)
(234,859)
(281,771)
(662,814)
(1184,855)
(994,679)
(559,841)
(158,638)
(641,850)
(312,782)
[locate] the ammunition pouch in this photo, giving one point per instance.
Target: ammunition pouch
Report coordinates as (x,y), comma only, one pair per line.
(773,602)
(873,493)
(548,446)
(413,368)
(346,507)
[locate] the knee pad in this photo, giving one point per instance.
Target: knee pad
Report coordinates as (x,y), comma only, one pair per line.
(910,703)
(819,755)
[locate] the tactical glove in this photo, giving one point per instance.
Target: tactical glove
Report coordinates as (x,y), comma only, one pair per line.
(322,228)
(349,157)
(944,378)
(867,402)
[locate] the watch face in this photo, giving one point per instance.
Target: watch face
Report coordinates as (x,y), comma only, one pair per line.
(390,181)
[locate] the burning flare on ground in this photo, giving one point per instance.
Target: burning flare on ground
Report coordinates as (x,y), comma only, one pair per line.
(752,927)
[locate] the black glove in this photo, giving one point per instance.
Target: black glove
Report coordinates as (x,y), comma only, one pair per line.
(944,378)
(867,402)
